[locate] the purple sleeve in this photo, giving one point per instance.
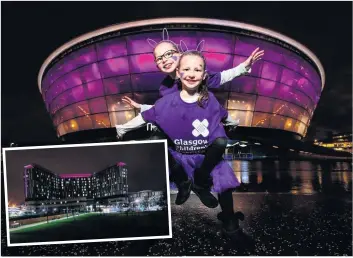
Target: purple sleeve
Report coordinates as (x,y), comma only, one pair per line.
(223,112)
(168,86)
(149,115)
(214,80)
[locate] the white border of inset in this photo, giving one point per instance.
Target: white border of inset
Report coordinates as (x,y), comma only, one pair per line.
(88,145)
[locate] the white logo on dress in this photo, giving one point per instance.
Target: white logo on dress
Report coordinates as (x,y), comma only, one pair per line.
(200,128)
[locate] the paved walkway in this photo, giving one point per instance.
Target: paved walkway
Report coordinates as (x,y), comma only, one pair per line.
(275,224)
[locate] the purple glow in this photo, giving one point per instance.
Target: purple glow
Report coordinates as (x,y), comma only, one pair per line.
(216,42)
(291,61)
(273,53)
(74,175)
(190,38)
(111,48)
(90,73)
(83,90)
(266,88)
(114,67)
(147,98)
(147,81)
(244,46)
(94,89)
(143,63)
(117,85)
(270,71)
(244,84)
(218,62)
(137,44)
(28,166)
(121,164)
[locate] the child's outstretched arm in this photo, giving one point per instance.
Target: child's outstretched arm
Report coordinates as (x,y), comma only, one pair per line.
(134,123)
(134,104)
(243,68)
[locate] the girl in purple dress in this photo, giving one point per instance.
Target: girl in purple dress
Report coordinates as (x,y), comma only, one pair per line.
(191,118)
(167,55)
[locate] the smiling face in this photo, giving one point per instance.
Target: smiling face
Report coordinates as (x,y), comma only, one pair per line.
(167,57)
(191,71)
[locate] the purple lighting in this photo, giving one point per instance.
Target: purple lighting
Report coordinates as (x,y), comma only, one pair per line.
(74,175)
(120,164)
(28,166)
(83,90)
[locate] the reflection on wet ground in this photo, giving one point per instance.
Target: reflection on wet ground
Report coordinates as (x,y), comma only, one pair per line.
(296,177)
(275,224)
(291,208)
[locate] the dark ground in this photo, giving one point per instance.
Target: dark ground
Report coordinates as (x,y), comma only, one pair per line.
(96,226)
(275,224)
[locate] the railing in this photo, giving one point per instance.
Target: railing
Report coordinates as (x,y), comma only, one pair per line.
(242,156)
(22,222)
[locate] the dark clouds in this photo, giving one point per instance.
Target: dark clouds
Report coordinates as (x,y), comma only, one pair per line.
(334,110)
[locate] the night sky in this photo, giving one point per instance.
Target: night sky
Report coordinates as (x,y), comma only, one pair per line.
(145,163)
(32,30)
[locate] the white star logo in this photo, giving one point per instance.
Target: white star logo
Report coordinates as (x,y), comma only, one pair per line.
(200,128)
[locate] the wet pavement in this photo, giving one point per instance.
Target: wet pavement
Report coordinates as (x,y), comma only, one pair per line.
(275,224)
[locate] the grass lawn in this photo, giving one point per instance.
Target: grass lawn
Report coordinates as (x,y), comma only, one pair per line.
(95,226)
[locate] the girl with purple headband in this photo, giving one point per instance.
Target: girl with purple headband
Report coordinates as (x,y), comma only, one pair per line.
(191,118)
(167,56)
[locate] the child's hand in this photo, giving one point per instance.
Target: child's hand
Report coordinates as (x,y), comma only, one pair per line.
(131,102)
(253,58)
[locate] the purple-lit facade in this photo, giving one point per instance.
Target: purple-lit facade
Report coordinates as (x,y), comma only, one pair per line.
(43,184)
(83,82)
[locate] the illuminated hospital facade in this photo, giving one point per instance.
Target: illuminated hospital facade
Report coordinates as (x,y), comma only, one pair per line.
(109,187)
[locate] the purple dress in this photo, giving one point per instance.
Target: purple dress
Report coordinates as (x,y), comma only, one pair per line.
(192,129)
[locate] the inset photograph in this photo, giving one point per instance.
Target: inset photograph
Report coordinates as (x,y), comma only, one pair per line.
(87,193)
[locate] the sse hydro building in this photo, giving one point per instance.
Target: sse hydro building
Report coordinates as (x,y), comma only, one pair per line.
(82,82)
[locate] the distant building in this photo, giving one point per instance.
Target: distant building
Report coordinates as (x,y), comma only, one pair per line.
(43,188)
(145,199)
(14,211)
(111,181)
(338,142)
